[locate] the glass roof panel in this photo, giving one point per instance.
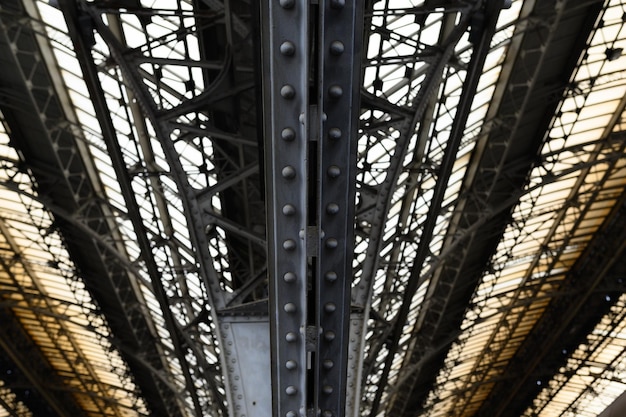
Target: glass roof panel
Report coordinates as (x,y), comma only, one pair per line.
(563,206)
(46,294)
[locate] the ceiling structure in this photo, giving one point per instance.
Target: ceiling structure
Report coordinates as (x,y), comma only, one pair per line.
(298,207)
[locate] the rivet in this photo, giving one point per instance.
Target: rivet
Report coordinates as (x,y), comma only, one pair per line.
(329,307)
(336,47)
(327,389)
(288,134)
(291,390)
(337,4)
(331,276)
(331,208)
(290,308)
(291,337)
(329,335)
(291,365)
(334,171)
(334,133)
(328,364)
(331,243)
(327,413)
(289,244)
(287,4)
(287,48)
(290,414)
(289,277)
(289,172)
(288,92)
(334,91)
(289,210)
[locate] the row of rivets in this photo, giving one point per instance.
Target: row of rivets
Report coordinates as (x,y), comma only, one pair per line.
(288,50)
(335,96)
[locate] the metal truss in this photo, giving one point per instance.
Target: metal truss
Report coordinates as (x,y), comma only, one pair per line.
(278,213)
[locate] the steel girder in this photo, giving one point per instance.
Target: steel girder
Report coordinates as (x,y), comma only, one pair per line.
(488,15)
(226,248)
(202,217)
(311,61)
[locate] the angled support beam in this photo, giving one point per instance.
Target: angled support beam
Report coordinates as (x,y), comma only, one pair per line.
(361,294)
(36,130)
(489,13)
(182,346)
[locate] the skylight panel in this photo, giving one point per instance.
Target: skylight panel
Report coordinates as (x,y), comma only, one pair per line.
(578,122)
(47,296)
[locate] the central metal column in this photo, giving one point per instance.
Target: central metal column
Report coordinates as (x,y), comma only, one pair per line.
(340,26)
(311,60)
(285,92)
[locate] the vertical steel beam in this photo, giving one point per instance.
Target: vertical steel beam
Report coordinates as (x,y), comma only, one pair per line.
(311,53)
(340,28)
(285,57)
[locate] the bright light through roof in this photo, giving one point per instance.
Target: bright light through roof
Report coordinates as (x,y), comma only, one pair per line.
(62,318)
(530,262)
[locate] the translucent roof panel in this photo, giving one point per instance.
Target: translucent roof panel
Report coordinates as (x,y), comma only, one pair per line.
(568,196)
(45,292)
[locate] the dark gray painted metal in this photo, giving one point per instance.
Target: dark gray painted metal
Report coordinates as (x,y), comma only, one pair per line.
(361,294)
(339,71)
(285,57)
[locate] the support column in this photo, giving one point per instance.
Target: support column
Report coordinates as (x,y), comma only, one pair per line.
(285,94)
(312,75)
(339,79)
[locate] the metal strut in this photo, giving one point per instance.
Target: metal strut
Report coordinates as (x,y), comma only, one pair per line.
(311,59)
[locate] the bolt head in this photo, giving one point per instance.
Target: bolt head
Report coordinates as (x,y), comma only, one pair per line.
(289,277)
(288,92)
(334,171)
(332,243)
(336,47)
(289,210)
(334,133)
(288,172)
(289,244)
(334,91)
(288,134)
(287,48)
(287,4)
